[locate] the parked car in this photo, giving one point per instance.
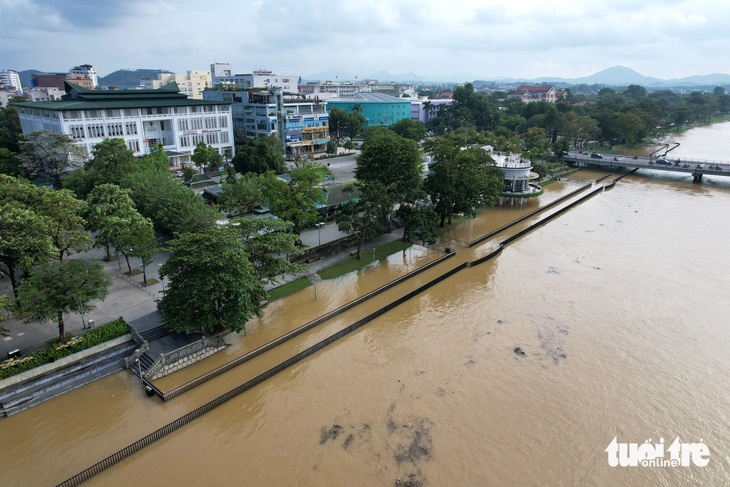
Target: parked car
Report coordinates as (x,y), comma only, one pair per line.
(596,155)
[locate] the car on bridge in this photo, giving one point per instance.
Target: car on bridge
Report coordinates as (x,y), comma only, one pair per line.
(596,155)
(663,161)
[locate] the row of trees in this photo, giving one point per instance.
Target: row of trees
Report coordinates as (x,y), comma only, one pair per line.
(390,182)
(610,117)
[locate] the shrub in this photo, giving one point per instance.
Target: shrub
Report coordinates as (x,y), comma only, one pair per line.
(57,349)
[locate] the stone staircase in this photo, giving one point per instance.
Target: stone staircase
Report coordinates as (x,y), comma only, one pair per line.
(26,394)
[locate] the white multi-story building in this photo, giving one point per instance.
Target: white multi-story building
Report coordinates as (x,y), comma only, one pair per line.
(143,118)
(222,76)
(301,125)
(88,71)
(10,78)
(43,94)
(192,83)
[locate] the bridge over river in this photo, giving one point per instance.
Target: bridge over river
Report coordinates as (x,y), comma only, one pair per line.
(697,168)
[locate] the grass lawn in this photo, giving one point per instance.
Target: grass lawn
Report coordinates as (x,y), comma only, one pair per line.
(353,264)
(288,288)
(455,221)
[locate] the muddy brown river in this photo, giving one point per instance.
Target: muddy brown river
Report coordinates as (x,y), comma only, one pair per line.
(609,321)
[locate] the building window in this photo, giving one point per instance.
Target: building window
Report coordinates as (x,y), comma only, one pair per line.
(77,132)
(114,130)
(131,128)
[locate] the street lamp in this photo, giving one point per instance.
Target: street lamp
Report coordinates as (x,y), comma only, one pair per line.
(319,232)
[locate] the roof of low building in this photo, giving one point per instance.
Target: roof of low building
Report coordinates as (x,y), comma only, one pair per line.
(371,98)
(80,98)
(533,89)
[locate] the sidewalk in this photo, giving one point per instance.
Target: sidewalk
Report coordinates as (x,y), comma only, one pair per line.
(128,299)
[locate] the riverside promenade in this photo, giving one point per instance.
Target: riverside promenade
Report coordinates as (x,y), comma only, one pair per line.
(129,299)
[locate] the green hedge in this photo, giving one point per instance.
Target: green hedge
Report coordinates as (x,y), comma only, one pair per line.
(57,350)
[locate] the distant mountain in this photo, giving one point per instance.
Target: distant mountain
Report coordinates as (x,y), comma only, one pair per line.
(25,76)
(621,76)
(129,78)
(123,78)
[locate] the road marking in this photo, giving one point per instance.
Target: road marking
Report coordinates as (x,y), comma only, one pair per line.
(21,334)
(7,339)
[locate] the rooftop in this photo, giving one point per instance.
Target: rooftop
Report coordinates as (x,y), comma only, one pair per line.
(79,98)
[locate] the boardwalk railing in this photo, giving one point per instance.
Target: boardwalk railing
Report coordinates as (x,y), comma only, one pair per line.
(182,352)
(223,398)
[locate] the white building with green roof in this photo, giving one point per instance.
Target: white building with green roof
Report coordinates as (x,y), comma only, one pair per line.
(143,118)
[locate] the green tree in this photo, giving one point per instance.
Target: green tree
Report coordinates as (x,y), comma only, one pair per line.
(296,201)
(207,156)
(156,160)
(269,244)
(49,152)
(110,160)
(104,202)
(239,195)
(65,221)
(212,285)
(349,145)
(391,159)
(132,235)
(331,147)
(355,123)
(172,207)
(409,129)
(24,240)
(61,287)
(366,217)
(260,156)
(462,181)
(10,130)
(337,121)
(419,221)
(9,163)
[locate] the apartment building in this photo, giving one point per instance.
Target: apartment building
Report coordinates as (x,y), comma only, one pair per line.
(10,79)
(86,70)
(43,94)
(302,125)
(529,94)
(142,118)
(222,76)
(192,83)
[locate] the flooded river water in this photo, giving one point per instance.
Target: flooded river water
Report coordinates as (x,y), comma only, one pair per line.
(609,321)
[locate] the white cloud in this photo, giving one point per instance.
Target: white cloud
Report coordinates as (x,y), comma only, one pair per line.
(467,39)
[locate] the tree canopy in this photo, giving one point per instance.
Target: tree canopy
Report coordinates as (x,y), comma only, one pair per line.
(50,153)
(260,156)
(297,200)
(60,287)
(212,286)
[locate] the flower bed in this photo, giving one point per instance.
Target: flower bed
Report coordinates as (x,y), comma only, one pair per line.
(57,349)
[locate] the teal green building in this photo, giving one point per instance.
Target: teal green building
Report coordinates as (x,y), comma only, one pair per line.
(378,108)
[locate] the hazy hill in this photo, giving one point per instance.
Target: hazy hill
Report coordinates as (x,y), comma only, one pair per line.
(129,78)
(613,76)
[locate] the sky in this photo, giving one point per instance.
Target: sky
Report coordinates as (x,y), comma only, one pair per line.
(461,40)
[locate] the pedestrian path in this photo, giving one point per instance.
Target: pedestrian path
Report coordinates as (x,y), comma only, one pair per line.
(129,299)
